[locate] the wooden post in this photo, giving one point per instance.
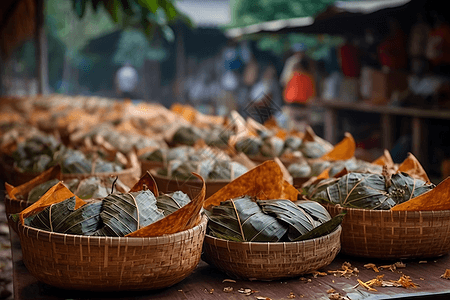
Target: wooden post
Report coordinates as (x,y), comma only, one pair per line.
(180,63)
(387,131)
(41,49)
(330,125)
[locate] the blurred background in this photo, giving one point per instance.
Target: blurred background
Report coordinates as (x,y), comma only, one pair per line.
(378,69)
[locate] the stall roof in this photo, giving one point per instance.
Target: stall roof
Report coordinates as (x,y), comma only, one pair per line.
(206,13)
(338,18)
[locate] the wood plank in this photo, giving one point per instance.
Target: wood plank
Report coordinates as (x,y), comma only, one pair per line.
(206,283)
(388,131)
(400,111)
(41,49)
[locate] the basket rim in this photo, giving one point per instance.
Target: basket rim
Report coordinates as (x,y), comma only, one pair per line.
(336,231)
(48,236)
(194,181)
(383,211)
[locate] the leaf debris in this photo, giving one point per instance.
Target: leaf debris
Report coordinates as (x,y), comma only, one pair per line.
(337,296)
(317,273)
(403,281)
(291,295)
(346,271)
(246,291)
(228,289)
(446,275)
(228,280)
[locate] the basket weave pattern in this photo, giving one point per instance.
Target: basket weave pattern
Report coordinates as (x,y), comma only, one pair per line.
(389,234)
(271,261)
(111,263)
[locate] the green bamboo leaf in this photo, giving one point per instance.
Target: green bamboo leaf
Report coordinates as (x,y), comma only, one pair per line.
(241,219)
(83,221)
(315,210)
(151,5)
(37,192)
(169,9)
(371,191)
(288,212)
(324,229)
(125,213)
(51,217)
(169,203)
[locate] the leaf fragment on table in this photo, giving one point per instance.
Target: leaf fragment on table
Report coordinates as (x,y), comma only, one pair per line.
(229,280)
(446,275)
(317,273)
(291,295)
(372,266)
(346,271)
(403,281)
(228,289)
(246,291)
(337,296)
(331,291)
(262,298)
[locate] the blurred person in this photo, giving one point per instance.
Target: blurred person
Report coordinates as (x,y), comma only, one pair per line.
(265,98)
(288,69)
(392,52)
(369,61)
(438,45)
(423,86)
(333,77)
(349,61)
(418,37)
(300,90)
(126,81)
(349,58)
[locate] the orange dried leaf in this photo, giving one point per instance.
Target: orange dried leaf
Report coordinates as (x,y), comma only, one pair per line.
(309,136)
(343,150)
(435,199)
(412,167)
(366,285)
(24,189)
(289,192)
(385,159)
(183,219)
(264,182)
(146,182)
(324,175)
(59,192)
(446,275)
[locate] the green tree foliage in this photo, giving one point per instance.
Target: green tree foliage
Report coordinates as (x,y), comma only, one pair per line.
(246,13)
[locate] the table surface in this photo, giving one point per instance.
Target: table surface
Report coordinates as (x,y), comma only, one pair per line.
(206,282)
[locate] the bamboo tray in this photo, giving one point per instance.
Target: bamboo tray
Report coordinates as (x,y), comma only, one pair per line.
(271,261)
(111,263)
(386,234)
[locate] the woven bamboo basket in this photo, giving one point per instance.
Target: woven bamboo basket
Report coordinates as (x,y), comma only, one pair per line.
(271,261)
(190,187)
(111,263)
(147,165)
(386,234)
(128,176)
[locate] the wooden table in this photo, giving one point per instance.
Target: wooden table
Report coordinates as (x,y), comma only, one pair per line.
(387,114)
(206,283)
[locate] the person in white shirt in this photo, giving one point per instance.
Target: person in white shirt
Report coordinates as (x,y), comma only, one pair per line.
(126,80)
(299,54)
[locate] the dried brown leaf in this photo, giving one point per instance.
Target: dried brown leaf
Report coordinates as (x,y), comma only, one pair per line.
(446,275)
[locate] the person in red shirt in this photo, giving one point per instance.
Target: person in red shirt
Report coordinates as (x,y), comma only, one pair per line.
(438,45)
(299,90)
(349,59)
(301,87)
(392,51)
